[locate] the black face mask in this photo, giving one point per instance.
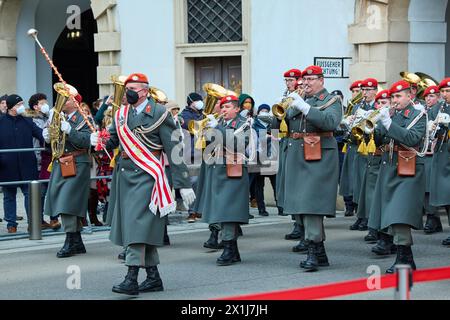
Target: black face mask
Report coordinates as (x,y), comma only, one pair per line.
(132,97)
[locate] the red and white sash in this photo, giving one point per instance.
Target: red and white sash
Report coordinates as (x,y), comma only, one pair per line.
(161,196)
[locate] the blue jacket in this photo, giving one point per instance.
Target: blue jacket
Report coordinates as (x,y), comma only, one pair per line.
(189,114)
(17,133)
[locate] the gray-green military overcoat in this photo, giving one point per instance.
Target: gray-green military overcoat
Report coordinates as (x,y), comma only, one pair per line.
(368,186)
(130,218)
(440,167)
(310,187)
(69,196)
(360,162)
(220,198)
(399,200)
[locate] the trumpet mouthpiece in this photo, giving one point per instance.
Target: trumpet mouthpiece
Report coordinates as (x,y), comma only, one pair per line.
(32,32)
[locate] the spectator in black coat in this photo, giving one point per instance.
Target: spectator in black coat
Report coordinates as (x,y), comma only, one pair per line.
(17,132)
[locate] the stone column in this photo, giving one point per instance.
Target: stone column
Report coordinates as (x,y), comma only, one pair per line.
(381,34)
(107,43)
(9,14)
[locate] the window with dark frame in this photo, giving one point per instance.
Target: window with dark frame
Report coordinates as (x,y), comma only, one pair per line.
(214,21)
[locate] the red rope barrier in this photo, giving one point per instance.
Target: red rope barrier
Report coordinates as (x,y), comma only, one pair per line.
(346,287)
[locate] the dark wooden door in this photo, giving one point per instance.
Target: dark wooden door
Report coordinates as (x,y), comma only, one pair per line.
(225,71)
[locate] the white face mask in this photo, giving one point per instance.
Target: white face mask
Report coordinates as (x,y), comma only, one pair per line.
(45,109)
(264,113)
(21,109)
(199,105)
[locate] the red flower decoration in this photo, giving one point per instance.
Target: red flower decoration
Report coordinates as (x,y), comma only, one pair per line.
(103,137)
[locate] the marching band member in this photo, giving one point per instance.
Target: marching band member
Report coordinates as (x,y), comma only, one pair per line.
(369,88)
(433,223)
(223,188)
(143,131)
(400,188)
(310,157)
(440,167)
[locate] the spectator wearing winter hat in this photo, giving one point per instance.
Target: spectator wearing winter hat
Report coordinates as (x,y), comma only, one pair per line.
(17,132)
(193,112)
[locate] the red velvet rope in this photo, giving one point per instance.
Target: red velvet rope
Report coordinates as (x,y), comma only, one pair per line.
(345,288)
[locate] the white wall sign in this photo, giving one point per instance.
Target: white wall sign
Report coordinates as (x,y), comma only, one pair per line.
(333,67)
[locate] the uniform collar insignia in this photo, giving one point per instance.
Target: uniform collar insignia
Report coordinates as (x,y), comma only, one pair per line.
(407,112)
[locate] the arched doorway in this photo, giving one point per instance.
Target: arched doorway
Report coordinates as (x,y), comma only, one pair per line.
(76,58)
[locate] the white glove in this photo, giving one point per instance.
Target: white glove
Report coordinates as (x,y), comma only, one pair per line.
(385,118)
(212,123)
(299,103)
(46,135)
(65,127)
(244,113)
(188,196)
(94,139)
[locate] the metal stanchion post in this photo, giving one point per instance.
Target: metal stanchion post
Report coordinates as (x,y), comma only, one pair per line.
(404,282)
(35,208)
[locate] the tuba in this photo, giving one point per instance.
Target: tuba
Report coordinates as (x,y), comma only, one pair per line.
(425,82)
(214,92)
(119,92)
(58,138)
(158,95)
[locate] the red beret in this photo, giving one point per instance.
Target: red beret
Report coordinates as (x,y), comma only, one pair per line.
(313,71)
(444,83)
(369,83)
(228,99)
(385,94)
(431,90)
(79,98)
(356,84)
(137,77)
(400,86)
(293,73)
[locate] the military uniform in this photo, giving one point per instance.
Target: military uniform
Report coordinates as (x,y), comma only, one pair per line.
(398,200)
(301,187)
(131,182)
(68,197)
(134,214)
(433,223)
(220,198)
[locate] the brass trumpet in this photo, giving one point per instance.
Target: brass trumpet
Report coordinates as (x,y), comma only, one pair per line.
(279,109)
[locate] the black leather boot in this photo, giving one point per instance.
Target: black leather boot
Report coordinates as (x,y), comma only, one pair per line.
(355,226)
(385,245)
(404,256)
(363,225)
(281,212)
(297,233)
(73,245)
(312,261)
(237,256)
(78,245)
(349,212)
(446,242)
(372,236)
(228,254)
(130,284)
(153,283)
(433,224)
(212,242)
(301,247)
(321,257)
